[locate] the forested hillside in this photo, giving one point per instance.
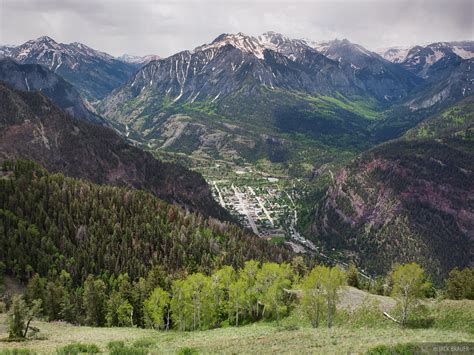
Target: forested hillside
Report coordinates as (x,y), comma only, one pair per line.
(407,200)
(32,127)
(50,223)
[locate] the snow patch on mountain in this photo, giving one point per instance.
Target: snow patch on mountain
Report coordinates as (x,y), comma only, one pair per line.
(394,54)
(248,44)
(138,60)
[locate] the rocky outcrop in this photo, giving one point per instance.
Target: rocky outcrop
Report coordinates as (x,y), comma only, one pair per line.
(406,200)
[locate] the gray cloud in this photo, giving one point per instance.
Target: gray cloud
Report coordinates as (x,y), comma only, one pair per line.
(165,27)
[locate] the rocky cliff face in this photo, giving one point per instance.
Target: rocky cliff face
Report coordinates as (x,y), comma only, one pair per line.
(407,200)
(32,127)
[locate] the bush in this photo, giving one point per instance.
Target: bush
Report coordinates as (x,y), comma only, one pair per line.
(78,348)
(353,276)
(460,284)
(399,349)
(144,343)
(187,351)
(116,344)
(420,317)
(288,324)
(129,351)
(138,348)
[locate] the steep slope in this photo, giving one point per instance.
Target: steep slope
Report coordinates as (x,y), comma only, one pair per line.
(450,79)
(49,221)
(244,98)
(372,72)
(32,127)
(93,73)
(33,77)
(407,200)
(452,121)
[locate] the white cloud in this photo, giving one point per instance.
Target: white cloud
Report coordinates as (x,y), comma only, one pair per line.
(165,27)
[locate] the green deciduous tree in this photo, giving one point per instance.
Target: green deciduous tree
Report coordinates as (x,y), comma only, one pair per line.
(271,282)
(409,286)
(125,314)
(192,304)
(320,289)
(156,309)
(333,279)
(313,295)
(221,281)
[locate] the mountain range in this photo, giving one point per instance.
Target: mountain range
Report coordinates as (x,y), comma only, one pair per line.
(395,125)
(244,98)
(92,72)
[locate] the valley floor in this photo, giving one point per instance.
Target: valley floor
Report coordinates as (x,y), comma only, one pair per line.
(261,338)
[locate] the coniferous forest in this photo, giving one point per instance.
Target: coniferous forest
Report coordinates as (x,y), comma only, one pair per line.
(52,223)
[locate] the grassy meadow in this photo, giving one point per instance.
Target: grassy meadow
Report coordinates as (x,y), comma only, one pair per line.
(360,326)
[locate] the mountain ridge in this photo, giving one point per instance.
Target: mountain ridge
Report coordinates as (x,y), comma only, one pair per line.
(32,127)
(34,77)
(92,72)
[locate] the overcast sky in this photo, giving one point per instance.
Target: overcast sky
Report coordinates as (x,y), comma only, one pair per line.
(165,27)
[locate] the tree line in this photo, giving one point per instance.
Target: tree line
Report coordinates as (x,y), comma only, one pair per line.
(197,301)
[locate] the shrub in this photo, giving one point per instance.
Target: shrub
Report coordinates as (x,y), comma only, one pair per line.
(399,349)
(138,348)
(420,317)
(187,351)
(144,343)
(353,276)
(116,344)
(460,284)
(129,350)
(78,348)
(289,324)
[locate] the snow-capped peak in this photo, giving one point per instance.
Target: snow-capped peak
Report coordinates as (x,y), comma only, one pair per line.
(272,39)
(45,39)
(43,42)
(248,44)
(89,51)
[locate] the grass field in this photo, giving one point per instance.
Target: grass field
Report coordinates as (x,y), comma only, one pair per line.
(360,326)
(292,335)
